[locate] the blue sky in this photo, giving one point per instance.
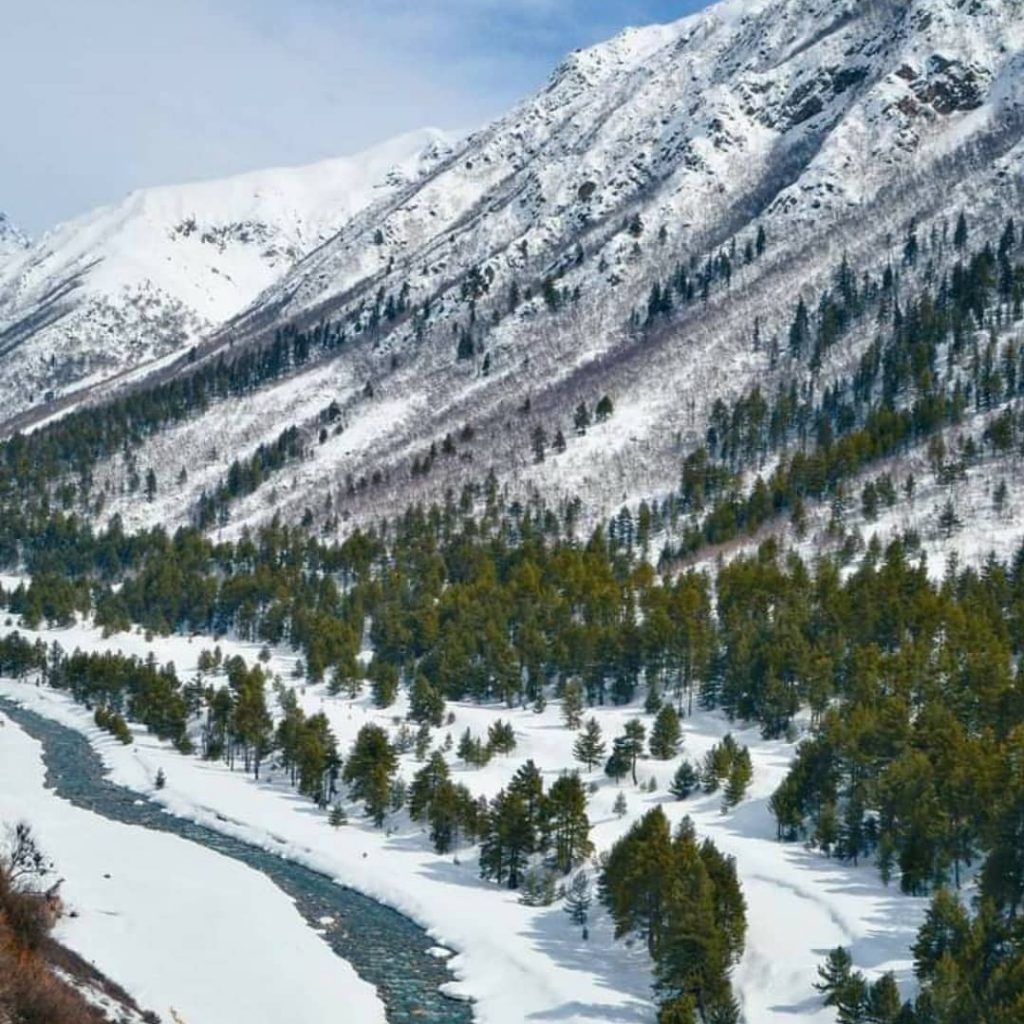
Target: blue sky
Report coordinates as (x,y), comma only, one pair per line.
(102,96)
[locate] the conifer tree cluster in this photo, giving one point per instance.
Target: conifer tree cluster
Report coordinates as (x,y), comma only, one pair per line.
(684,899)
(727,764)
(447,808)
(524,823)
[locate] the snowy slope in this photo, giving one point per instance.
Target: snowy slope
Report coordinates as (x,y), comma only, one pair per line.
(831,124)
(796,110)
(151,274)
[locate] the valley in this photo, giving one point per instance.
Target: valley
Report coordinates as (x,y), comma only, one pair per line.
(583,553)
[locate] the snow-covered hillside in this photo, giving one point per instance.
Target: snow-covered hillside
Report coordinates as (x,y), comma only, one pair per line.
(505,285)
(152,274)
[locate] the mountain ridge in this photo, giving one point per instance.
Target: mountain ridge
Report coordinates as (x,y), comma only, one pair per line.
(516,273)
(148,276)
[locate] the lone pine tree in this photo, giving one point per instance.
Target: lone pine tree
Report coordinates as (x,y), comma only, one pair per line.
(589,747)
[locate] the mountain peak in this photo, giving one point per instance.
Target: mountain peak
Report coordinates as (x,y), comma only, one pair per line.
(12,241)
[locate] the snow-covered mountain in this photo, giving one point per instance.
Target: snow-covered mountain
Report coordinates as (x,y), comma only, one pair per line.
(795,111)
(505,284)
(12,242)
(145,277)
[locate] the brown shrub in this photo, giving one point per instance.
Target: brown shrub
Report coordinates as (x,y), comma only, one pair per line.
(31,994)
(28,919)
(30,991)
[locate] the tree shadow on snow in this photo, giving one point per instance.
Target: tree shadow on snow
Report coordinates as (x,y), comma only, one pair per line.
(888,919)
(610,964)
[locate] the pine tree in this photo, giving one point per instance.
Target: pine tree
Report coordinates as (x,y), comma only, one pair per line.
(945,932)
(581,418)
(999,498)
(251,725)
(465,348)
(617,765)
(425,785)
(960,234)
(620,807)
(549,290)
(370,769)
(911,246)
(572,704)
(800,331)
(337,816)
(684,782)
(509,838)
(740,775)
(690,955)
(852,1001)
(720,763)
(653,701)
(534,888)
(843,988)
(730,905)
(834,972)
(539,443)
(949,521)
(426,704)
(578,900)
(422,742)
(589,747)
(317,761)
(567,824)
(632,743)
(444,816)
(404,740)
(884,1003)
(383,683)
(666,736)
(472,750)
(1002,878)
(528,784)
(826,827)
(501,737)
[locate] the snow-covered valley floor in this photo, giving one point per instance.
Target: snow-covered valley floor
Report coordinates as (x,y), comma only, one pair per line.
(518,963)
(182,928)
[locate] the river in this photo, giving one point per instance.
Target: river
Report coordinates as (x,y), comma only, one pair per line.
(386,949)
